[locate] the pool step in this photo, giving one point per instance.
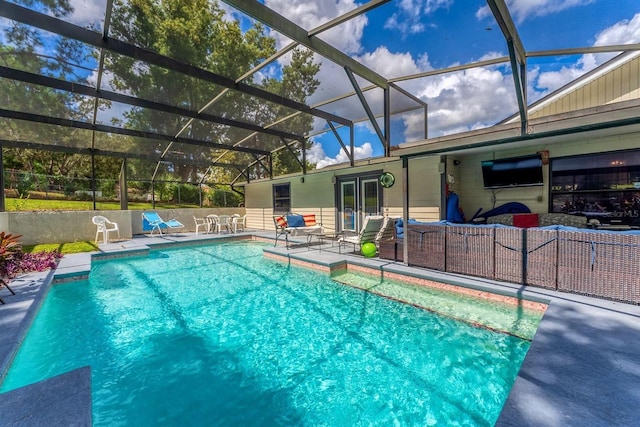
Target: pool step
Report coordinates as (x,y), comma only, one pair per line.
(503,318)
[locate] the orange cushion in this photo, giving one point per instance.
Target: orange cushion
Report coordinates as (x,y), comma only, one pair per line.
(281,221)
(309,219)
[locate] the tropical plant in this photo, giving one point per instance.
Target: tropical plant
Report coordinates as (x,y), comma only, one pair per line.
(14,261)
(9,245)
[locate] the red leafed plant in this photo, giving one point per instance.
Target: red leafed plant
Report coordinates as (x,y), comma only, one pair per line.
(14,261)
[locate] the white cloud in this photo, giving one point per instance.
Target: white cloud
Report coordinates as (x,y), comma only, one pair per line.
(467,100)
(522,9)
(316,154)
(334,81)
(88,12)
(409,17)
(623,32)
(389,64)
(310,14)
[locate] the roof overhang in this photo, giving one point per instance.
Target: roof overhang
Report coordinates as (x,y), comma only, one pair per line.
(598,122)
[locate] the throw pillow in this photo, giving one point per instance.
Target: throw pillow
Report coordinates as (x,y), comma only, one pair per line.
(281,222)
(309,219)
(295,220)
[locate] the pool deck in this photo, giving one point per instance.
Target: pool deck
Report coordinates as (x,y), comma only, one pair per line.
(582,369)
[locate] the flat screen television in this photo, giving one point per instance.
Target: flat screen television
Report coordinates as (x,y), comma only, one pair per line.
(513,172)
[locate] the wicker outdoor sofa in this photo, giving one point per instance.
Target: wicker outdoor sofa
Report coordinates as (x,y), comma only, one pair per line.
(590,262)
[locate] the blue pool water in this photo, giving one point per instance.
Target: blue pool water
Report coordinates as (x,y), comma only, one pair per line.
(220,335)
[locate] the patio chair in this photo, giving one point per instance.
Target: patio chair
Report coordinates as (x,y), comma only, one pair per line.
(223,221)
(369,233)
(105,227)
(201,222)
(151,221)
(238,222)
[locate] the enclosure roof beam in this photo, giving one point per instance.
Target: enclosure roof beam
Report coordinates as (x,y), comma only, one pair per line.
(5,143)
(347,16)
(26,77)
(37,118)
(92,38)
(517,56)
(298,34)
(372,118)
(505,22)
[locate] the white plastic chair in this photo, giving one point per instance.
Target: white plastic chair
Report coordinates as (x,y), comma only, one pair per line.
(105,227)
(212,220)
(238,222)
(201,222)
(223,221)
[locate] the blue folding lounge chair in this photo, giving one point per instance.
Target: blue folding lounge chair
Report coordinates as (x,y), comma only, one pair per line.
(151,221)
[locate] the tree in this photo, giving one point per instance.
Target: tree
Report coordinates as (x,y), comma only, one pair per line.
(298,83)
(58,57)
(196,32)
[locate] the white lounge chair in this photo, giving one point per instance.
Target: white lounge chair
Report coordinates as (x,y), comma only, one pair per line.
(105,227)
(369,233)
(151,221)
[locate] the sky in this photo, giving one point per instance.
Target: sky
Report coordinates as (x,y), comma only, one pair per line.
(406,37)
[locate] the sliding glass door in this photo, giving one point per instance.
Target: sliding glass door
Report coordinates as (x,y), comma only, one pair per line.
(357,197)
(348,206)
(369,202)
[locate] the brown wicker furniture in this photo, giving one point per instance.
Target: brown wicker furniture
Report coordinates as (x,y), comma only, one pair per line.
(387,249)
(509,254)
(542,257)
(469,249)
(426,245)
(597,263)
(602,264)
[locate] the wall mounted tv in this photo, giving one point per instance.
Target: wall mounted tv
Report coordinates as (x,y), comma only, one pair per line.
(513,172)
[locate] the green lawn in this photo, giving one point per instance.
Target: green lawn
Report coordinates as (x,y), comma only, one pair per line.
(29,205)
(64,248)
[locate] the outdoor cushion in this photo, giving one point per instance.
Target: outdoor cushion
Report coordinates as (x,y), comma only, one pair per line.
(309,219)
(400,227)
(295,221)
(281,221)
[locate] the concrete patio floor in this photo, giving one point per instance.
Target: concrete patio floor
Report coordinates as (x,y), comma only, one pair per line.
(582,369)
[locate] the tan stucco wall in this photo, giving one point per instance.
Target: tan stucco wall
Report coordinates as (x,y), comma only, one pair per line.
(74,226)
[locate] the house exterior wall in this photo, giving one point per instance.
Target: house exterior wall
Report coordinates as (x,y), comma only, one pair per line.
(473,196)
(621,84)
(317,193)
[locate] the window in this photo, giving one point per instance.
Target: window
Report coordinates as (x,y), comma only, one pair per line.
(603,186)
(281,198)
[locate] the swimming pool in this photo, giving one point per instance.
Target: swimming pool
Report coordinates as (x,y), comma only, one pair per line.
(220,335)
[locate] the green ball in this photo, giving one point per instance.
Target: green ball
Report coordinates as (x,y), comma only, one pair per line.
(368,249)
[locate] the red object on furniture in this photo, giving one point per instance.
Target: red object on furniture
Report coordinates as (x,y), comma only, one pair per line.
(525,220)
